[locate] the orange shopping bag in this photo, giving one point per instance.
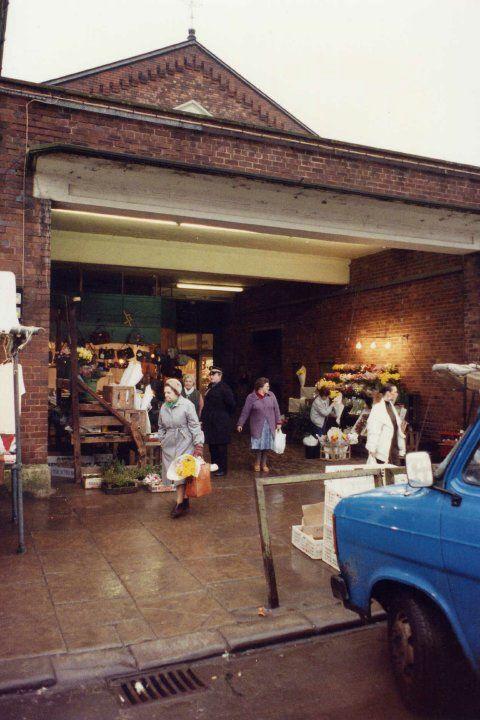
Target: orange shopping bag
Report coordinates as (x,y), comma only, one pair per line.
(200,485)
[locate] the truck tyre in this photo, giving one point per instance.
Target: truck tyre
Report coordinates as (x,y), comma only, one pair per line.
(419,640)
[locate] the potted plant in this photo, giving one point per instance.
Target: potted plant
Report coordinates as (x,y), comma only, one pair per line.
(119,480)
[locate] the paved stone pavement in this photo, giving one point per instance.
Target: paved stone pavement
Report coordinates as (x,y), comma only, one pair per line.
(341,677)
(111,573)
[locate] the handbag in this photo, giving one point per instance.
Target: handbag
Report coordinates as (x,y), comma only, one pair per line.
(134,337)
(100,335)
(279,442)
(200,485)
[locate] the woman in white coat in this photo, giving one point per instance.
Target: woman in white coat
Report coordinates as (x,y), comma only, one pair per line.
(385,435)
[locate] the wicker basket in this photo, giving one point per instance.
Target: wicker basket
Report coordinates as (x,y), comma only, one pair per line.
(333,451)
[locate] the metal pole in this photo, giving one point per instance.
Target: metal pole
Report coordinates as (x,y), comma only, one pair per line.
(13,472)
(18,461)
(380,478)
(3,28)
(77,451)
(268,566)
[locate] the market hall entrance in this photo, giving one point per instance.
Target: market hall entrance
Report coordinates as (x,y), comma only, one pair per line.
(113,571)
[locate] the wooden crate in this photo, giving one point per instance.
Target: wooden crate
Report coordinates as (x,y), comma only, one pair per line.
(120,397)
(137,418)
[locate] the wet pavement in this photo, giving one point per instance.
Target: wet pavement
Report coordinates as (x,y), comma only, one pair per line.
(107,572)
(343,677)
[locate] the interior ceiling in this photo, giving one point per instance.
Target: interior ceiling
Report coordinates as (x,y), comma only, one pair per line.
(168,279)
(132,227)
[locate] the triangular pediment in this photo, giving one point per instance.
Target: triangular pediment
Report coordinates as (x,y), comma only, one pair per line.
(185,77)
(194,107)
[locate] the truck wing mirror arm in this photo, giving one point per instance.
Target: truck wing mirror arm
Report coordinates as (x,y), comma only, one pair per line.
(455,498)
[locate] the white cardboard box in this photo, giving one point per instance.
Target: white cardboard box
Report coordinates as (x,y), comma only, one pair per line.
(92,482)
(305,543)
(307,392)
(295,405)
(335,490)
(161,488)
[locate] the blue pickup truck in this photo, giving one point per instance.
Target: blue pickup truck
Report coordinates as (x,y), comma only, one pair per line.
(416,550)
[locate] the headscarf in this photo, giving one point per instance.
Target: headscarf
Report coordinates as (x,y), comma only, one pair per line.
(176,386)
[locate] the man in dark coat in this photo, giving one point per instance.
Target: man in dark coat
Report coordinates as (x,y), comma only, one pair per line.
(217,419)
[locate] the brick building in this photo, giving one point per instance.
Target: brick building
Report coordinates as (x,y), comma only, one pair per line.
(171,161)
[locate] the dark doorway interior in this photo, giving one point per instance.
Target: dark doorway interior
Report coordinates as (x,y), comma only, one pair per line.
(267,357)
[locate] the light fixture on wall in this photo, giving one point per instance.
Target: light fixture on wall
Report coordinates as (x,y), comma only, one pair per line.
(384,341)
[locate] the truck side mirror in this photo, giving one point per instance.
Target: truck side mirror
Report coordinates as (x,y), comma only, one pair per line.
(419,469)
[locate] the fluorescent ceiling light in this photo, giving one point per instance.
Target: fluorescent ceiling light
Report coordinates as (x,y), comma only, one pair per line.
(218,288)
(134,218)
(115,217)
(220,228)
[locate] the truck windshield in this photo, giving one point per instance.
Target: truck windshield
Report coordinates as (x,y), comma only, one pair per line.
(439,471)
(471,474)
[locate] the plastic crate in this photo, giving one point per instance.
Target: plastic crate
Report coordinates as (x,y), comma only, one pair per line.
(305,543)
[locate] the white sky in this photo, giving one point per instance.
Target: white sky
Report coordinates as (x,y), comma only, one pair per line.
(398,74)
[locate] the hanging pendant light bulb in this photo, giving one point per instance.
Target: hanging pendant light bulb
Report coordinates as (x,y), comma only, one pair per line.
(373,345)
(358,345)
(388,345)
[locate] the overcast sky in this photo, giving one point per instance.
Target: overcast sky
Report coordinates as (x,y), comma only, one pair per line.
(398,74)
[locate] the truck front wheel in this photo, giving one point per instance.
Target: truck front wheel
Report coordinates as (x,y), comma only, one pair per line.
(418,639)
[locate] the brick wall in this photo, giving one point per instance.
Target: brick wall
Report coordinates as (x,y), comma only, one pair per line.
(315,162)
(187,74)
(422,316)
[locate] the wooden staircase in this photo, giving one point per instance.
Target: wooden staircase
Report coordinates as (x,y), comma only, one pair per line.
(96,422)
(99,423)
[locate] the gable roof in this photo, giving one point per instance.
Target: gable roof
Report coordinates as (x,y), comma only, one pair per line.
(191,42)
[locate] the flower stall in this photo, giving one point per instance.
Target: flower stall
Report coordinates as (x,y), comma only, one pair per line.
(358,384)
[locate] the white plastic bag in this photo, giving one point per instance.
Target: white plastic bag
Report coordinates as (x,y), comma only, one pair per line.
(279,442)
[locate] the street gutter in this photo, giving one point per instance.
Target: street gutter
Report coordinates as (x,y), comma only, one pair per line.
(31,674)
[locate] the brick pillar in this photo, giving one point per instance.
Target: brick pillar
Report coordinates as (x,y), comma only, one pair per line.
(472,307)
(35,271)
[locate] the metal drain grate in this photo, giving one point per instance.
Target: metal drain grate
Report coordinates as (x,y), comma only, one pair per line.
(146,688)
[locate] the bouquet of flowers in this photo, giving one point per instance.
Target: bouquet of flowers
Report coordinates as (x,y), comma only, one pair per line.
(335,444)
(154,483)
(84,355)
(186,466)
(335,436)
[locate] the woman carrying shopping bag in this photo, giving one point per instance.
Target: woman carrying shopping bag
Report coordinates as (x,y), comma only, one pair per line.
(180,433)
(261,408)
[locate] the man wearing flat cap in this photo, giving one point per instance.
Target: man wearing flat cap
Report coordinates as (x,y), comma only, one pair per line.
(217,419)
